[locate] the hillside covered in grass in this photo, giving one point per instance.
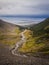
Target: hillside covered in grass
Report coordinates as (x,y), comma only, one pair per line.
(37,38)
(9,33)
(39,28)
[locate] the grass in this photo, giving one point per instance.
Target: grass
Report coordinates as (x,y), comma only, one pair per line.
(9,39)
(35,44)
(37,38)
(32,45)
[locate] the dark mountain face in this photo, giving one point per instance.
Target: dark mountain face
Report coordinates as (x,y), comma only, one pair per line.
(8,27)
(4,23)
(40,27)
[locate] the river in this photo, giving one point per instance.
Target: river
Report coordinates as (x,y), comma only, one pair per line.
(19,44)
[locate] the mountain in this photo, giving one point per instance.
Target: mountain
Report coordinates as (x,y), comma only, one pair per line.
(37,36)
(6,27)
(9,33)
(34,46)
(39,28)
(39,40)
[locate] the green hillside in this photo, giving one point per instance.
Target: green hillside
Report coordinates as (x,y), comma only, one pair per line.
(39,29)
(39,40)
(37,36)
(9,33)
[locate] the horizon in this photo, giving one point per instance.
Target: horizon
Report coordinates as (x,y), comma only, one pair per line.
(20,20)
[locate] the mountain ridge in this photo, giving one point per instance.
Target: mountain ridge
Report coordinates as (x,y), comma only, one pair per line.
(8,27)
(40,26)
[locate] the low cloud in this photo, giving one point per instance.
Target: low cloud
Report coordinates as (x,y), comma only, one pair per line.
(24,7)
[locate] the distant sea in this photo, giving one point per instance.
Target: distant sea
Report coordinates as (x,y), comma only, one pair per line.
(20,20)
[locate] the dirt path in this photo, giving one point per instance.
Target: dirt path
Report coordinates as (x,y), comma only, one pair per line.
(19,44)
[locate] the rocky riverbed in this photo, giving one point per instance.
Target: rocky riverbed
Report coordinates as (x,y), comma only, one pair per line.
(7,58)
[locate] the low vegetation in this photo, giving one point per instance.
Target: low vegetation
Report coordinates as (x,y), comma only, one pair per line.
(9,33)
(37,37)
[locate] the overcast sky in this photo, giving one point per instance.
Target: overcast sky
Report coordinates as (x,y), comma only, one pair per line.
(24,7)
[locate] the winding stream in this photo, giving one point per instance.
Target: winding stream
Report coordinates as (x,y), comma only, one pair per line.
(18,44)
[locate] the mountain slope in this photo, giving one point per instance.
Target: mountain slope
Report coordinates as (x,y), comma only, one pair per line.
(39,29)
(39,40)
(37,37)
(9,33)
(9,27)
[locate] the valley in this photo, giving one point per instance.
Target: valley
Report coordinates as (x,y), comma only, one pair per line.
(24,45)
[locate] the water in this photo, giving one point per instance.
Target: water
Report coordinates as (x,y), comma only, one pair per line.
(21,20)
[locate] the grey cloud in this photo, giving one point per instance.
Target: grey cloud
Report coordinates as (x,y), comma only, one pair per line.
(24,7)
